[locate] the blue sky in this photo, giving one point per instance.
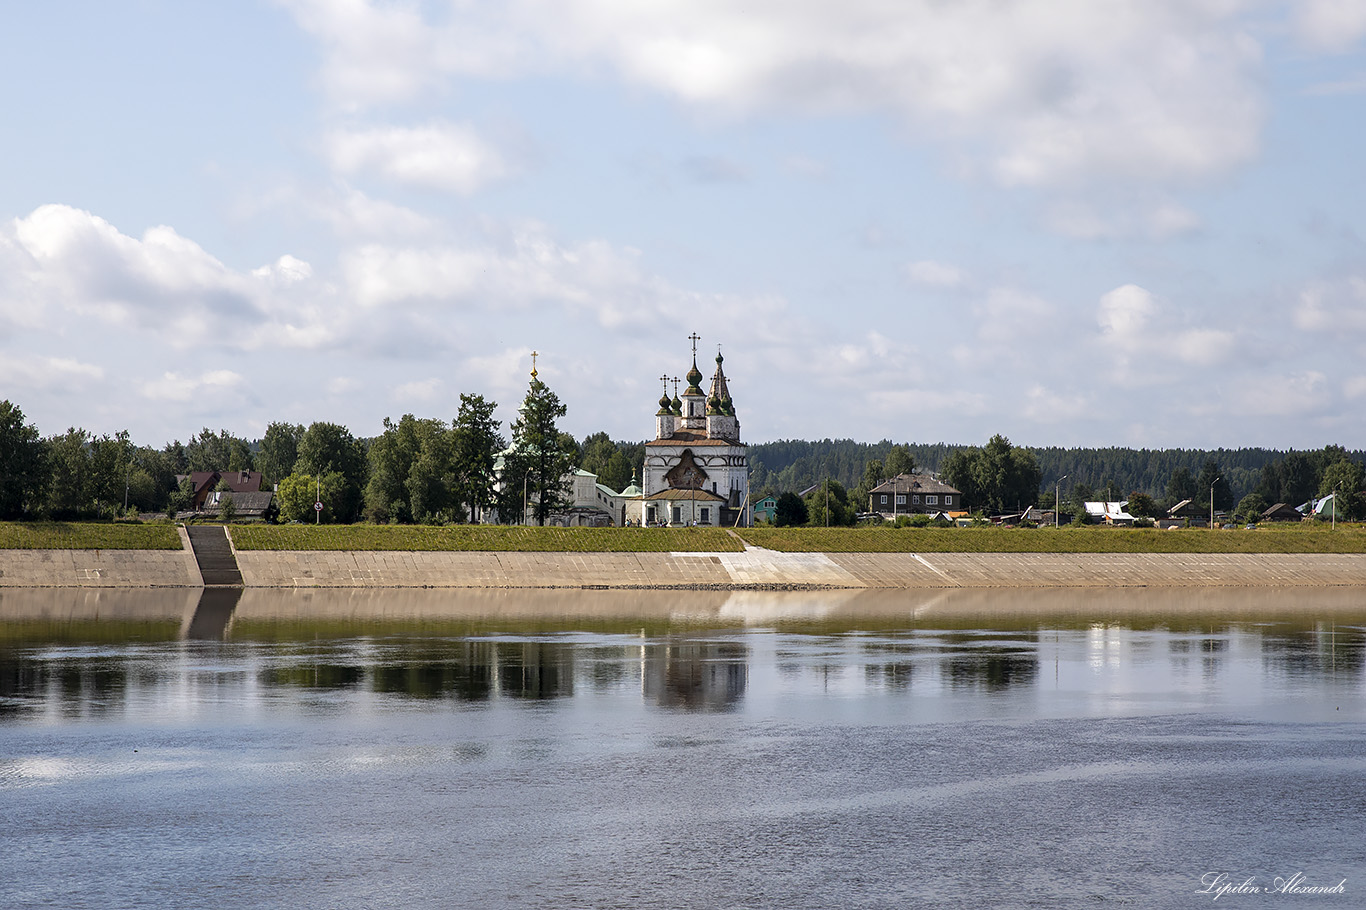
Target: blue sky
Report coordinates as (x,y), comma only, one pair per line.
(1109,222)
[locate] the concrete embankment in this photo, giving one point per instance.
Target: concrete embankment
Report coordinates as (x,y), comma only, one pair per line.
(754,568)
(101,568)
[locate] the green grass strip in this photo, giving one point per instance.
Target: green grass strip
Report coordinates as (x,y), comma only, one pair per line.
(483,538)
(1309,539)
(60,535)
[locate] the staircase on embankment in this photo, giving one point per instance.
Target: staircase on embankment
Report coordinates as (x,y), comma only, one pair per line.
(217,564)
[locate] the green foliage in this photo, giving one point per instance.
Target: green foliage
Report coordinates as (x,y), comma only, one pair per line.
(54,535)
(227,509)
(1251,507)
(412,472)
(615,463)
(298,493)
(1346,479)
(477,443)
(329,448)
(23,464)
(1141,505)
(998,477)
(222,452)
(790,509)
(488,538)
(1180,486)
(1212,477)
(1096,539)
(277,452)
(542,457)
(840,510)
(181,499)
(900,461)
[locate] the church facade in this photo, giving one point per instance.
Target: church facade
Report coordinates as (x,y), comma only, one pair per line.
(696,468)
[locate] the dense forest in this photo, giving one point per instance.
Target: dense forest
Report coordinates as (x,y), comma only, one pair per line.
(429,470)
(794,465)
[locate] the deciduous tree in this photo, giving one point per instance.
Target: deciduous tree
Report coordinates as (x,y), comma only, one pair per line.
(23,464)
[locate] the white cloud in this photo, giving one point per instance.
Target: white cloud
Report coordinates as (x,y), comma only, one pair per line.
(527,266)
(1125,312)
(1333,306)
(180,388)
(1278,395)
(1330,25)
(1354,387)
(1140,338)
(1049,406)
(451,157)
(48,373)
(162,283)
(936,274)
(1120,219)
(423,390)
(1009,317)
(1042,91)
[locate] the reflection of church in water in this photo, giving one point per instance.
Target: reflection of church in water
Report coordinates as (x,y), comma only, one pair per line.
(696,468)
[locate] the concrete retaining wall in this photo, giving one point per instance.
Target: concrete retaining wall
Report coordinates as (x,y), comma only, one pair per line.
(100,568)
(766,568)
(754,568)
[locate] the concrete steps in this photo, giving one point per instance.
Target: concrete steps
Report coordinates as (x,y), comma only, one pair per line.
(217,564)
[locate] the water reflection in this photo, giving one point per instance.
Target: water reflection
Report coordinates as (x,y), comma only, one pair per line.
(71,654)
(695,675)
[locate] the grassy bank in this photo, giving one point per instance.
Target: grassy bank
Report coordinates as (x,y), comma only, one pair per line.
(483,538)
(1296,539)
(60,535)
(104,536)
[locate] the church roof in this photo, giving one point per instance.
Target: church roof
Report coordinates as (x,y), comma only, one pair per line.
(675,493)
(691,438)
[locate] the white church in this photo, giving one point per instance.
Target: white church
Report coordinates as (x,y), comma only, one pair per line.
(696,470)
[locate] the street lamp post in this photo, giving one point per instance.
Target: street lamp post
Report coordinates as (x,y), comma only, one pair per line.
(1211,501)
(1057,500)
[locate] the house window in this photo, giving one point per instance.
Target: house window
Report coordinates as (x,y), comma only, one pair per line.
(678,514)
(884,499)
(931,500)
(650,515)
(706,516)
(900,499)
(915,499)
(948,500)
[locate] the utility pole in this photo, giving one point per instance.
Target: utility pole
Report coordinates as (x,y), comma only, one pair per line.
(1057,500)
(1211,501)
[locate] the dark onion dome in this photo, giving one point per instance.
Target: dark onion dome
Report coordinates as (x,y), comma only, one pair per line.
(678,407)
(664,406)
(714,406)
(694,377)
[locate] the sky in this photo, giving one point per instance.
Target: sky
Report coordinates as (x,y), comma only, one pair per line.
(1073,222)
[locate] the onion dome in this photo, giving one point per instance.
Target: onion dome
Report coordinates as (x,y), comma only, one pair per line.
(665,406)
(677,406)
(694,377)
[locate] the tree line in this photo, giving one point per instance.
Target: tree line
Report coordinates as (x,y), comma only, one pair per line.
(417,470)
(430,470)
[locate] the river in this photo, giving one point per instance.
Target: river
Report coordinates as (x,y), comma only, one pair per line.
(373,749)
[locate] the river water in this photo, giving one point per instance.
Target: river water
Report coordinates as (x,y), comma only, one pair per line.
(375,749)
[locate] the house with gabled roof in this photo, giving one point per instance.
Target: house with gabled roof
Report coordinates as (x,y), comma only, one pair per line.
(908,494)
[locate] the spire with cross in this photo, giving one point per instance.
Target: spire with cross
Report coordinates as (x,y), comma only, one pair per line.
(534,355)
